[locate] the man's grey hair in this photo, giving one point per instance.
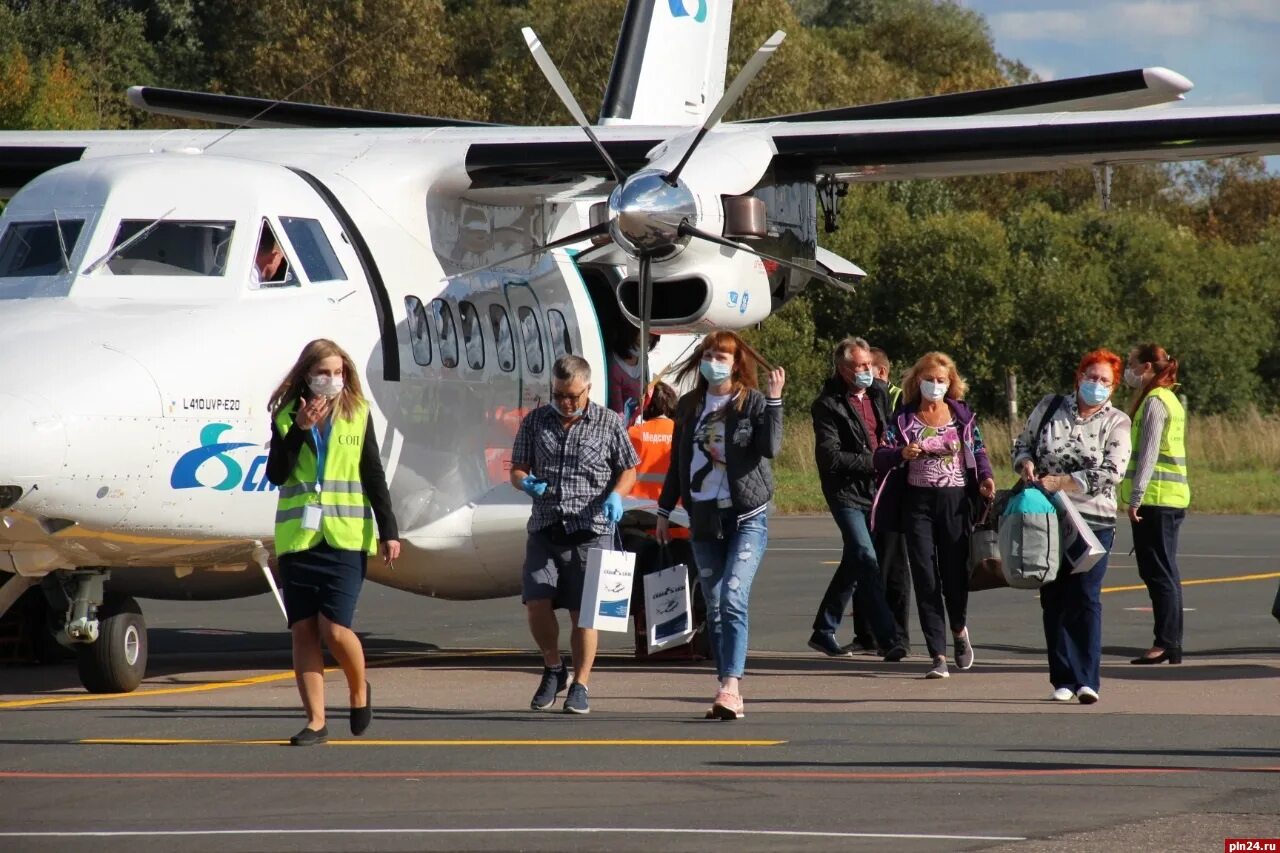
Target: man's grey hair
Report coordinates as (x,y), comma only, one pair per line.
(570,367)
(842,350)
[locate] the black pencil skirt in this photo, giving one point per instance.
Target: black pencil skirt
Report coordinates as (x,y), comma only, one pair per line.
(324,580)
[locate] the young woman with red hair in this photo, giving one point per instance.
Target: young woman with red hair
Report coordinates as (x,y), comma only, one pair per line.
(1082,450)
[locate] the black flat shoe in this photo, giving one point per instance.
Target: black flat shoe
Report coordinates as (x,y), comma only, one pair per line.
(310,737)
(1170,655)
(362,717)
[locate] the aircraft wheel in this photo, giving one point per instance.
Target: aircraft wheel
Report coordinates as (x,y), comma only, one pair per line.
(117,661)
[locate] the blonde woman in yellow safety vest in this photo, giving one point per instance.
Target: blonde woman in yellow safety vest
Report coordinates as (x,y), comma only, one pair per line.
(324,458)
(1156,490)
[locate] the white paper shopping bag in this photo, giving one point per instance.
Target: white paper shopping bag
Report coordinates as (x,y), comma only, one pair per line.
(1080,546)
(606,590)
(667,608)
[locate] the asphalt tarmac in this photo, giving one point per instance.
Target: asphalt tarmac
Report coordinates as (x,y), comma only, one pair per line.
(834,754)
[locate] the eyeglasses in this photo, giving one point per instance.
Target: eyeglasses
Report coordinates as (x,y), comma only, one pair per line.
(567,398)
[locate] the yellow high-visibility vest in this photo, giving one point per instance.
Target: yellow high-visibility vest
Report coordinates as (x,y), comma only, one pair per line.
(1169,485)
(347,520)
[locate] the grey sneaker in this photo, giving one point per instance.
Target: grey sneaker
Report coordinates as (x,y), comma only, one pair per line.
(939,668)
(964,651)
(553,681)
(576,701)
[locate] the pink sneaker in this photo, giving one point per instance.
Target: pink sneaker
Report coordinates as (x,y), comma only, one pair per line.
(727,706)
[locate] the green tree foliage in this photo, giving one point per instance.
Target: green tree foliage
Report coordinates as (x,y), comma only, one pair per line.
(373,54)
(789,339)
(103,43)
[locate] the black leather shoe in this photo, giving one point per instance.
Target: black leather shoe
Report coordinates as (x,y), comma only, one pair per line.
(310,737)
(896,653)
(1170,655)
(362,717)
(821,641)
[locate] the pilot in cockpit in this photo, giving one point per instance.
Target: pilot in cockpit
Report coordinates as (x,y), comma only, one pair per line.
(269,264)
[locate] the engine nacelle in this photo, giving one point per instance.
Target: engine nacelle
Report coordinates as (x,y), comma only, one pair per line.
(706,287)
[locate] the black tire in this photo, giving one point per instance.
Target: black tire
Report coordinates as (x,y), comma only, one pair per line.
(117,661)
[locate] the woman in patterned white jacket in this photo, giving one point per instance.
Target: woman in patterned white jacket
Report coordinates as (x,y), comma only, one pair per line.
(1083,450)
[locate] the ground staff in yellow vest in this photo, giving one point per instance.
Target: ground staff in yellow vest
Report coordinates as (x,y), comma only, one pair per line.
(1156,490)
(324,458)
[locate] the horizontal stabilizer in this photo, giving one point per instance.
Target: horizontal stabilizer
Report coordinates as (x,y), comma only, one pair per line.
(837,267)
(263,112)
(1143,87)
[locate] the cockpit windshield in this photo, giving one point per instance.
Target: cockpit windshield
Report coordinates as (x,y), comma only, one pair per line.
(33,248)
(171,247)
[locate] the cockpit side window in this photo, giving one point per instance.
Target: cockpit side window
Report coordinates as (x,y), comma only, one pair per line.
(270,266)
(170,247)
(33,248)
(314,250)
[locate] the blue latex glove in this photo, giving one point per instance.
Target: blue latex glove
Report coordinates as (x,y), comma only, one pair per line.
(613,507)
(533,486)
(629,410)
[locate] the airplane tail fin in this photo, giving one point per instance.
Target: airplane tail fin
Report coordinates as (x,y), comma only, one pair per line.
(669,67)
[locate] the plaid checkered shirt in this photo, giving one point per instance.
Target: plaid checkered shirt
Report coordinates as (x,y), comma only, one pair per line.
(580,464)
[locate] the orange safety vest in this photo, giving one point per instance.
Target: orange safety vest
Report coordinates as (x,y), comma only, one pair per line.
(652,440)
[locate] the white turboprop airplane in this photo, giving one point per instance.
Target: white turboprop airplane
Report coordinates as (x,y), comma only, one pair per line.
(455,261)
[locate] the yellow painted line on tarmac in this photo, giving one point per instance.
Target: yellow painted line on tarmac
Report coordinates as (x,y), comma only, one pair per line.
(145,694)
(1237,579)
(436,742)
(251,681)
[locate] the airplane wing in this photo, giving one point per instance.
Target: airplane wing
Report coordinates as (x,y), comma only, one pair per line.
(1119,90)
(263,112)
(905,149)
(887,150)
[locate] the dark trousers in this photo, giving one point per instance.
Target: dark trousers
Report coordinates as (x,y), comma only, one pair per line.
(937,533)
(1072,609)
(895,572)
(860,568)
(1155,544)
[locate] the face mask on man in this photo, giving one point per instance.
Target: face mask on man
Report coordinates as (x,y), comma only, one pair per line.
(715,372)
(1132,378)
(323,385)
(863,379)
(1094,393)
(931,390)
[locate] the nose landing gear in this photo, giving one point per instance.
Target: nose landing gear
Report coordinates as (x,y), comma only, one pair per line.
(106,631)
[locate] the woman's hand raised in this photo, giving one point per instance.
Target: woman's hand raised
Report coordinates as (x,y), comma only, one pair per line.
(311,413)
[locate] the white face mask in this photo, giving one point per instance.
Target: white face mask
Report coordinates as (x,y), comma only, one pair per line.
(931,390)
(325,386)
(1132,378)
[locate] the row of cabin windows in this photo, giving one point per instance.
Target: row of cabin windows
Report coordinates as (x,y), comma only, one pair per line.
(436,322)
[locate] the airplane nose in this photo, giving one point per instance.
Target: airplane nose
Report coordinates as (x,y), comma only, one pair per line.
(33,440)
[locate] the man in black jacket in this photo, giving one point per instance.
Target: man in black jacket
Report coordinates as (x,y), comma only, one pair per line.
(849,419)
(890,545)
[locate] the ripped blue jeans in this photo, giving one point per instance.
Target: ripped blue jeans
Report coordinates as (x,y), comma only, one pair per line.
(726,568)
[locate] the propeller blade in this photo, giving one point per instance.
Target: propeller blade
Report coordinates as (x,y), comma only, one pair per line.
(687,230)
(576,237)
(646,315)
(730,97)
(561,89)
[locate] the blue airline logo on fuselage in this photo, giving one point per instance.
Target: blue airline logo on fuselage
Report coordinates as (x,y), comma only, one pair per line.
(679,9)
(186,471)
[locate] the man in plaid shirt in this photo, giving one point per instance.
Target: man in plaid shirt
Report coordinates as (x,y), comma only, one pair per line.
(575,460)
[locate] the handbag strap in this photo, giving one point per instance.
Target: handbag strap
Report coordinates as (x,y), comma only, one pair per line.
(1058,400)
